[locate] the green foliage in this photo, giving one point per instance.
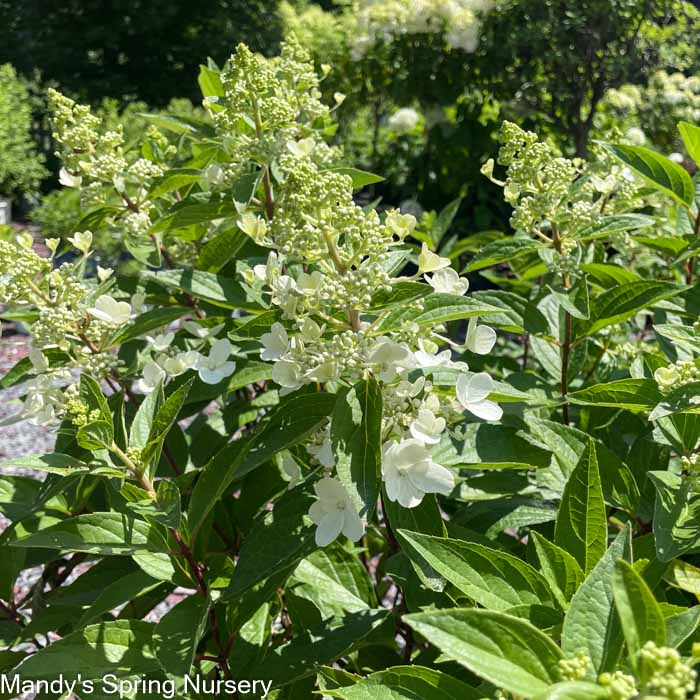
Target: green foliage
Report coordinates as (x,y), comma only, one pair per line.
(21,167)
(357,480)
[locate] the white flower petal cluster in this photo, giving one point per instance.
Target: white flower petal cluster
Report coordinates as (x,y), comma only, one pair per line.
(388,20)
(110,311)
(334,513)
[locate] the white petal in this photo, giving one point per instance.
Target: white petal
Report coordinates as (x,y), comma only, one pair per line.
(483,340)
(220,351)
(486,410)
(432,478)
(329,528)
(472,388)
(317,511)
(353,527)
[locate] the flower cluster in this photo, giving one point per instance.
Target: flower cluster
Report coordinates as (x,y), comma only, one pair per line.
(458,20)
(664,673)
(677,374)
(651,111)
(329,263)
(555,197)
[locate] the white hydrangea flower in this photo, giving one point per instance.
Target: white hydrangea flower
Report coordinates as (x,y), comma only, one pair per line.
(69,180)
(404,119)
(428,356)
(480,339)
(111,311)
(427,427)
(409,472)
(153,374)
(275,343)
(400,224)
(390,357)
(82,240)
(430,262)
(473,391)
(302,148)
(202,332)
(448,281)
(104,273)
(180,363)
(216,366)
(253,225)
(287,374)
(161,341)
(334,513)
(325,372)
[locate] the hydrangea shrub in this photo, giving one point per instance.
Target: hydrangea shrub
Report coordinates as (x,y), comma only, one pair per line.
(353,475)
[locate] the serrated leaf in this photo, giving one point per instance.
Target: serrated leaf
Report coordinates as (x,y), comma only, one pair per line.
(501,251)
(562,572)
(591,622)
(436,308)
(54,463)
(661,172)
(99,533)
(621,303)
(631,394)
(504,650)
(149,321)
(497,580)
(122,647)
(581,526)
(607,225)
(409,683)
(356,434)
(676,515)
(640,615)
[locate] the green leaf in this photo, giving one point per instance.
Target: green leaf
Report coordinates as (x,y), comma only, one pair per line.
(122,590)
(591,622)
(489,577)
(621,303)
(97,435)
(676,515)
(506,651)
(210,82)
(174,179)
(287,425)
(607,275)
(690,133)
(334,581)
(318,646)
(183,215)
(575,690)
(444,220)
(581,526)
(409,683)
(640,615)
(662,173)
(143,420)
(356,434)
(502,251)
(607,225)
(218,251)
(165,419)
(177,635)
(680,627)
(436,308)
(149,321)
(277,540)
(216,289)
(560,569)
(122,647)
(631,394)
(98,533)
(360,178)
(54,463)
